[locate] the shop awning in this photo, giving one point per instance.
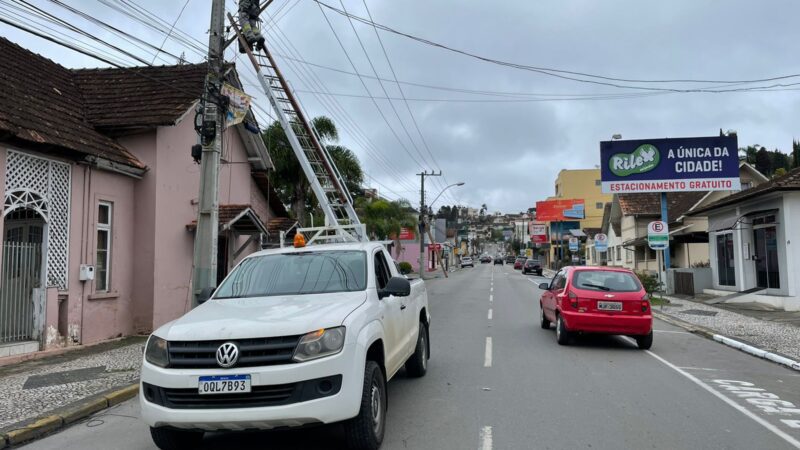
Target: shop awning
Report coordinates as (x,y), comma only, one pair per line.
(722,223)
(577,233)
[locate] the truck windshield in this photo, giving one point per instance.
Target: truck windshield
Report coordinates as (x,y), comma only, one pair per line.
(297,273)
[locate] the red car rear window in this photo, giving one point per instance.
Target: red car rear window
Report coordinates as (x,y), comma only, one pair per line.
(606,280)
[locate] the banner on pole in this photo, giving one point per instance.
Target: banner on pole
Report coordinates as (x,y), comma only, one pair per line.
(238,106)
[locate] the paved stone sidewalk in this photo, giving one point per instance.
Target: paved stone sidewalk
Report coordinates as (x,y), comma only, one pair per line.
(33,388)
(772,335)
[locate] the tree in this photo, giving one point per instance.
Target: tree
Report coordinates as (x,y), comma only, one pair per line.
(748,154)
(384,218)
(763,161)
(795,154)
(779,172)
(288,177)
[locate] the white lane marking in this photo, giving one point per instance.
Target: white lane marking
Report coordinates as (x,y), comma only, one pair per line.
(491,298)
(491,289)
(778,432)
(486,438)
(698,368)
(490,313)
(487,357)
(670,331)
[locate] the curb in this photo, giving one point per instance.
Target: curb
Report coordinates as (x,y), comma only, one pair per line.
(71,414)
(733,343)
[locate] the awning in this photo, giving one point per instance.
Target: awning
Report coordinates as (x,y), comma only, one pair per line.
(722,223)
(577,233)
(676,230)
(237,218)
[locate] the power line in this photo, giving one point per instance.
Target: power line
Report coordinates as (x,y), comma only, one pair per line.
(551,71)
(333,105)
(170,31)
(517,100)
(347,55)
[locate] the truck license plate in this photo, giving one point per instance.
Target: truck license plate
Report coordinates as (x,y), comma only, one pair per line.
(609,306)
(225,384)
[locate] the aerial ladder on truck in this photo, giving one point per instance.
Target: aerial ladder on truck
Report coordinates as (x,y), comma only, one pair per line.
(341,222)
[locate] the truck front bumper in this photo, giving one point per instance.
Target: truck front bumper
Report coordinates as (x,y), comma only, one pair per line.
(168,397)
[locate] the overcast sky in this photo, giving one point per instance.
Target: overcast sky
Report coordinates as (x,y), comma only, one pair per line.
(508,151)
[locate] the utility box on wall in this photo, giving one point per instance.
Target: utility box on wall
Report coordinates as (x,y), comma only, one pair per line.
(86,272)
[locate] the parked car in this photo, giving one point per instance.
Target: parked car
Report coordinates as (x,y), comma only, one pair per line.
(498,260)
(486,259)
(532,266)
(292,336)
(510,259)
(603,300)
(467,262)
(519,262)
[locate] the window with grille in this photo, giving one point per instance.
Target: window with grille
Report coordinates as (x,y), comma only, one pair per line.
(103,263)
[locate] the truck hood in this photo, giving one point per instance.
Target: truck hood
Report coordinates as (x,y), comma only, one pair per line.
(255,317)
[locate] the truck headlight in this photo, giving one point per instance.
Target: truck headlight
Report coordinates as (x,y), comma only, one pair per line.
(156,351)
(318,344)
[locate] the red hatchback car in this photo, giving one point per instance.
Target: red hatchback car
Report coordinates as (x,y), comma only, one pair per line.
(597,300)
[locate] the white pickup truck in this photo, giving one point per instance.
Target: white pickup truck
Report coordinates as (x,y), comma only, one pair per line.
(292,337)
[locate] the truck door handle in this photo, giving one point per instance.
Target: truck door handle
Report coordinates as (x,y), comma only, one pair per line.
(402,307)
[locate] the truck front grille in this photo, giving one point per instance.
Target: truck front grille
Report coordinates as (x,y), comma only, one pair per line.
(252,352)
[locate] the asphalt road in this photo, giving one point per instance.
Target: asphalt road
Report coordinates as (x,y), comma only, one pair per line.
(498,381)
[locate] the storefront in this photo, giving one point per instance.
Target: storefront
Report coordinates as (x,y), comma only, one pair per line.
(753,238)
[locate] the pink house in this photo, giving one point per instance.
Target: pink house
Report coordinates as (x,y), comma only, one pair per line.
(101,195)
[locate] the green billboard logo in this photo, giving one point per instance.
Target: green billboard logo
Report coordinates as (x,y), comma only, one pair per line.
(644,159)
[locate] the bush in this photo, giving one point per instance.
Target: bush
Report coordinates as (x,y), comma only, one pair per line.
(649,282)
(405,267)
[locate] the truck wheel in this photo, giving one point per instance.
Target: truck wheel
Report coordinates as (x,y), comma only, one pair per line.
(365,431)
(417,365)
(173,439)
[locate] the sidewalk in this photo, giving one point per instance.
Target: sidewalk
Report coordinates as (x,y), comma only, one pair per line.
(55,386)
(771,330)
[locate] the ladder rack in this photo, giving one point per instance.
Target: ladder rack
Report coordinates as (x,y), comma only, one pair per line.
(323,176)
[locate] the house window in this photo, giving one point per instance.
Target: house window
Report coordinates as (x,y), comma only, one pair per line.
(628,256)
(725,266)
(102,274)
(598,182)
(611,254)
(619,253)
(598,205)
(746,185)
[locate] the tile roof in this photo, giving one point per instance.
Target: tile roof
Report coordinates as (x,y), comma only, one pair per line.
(42,107)
(678,203)
(121,101)
(79,112)
(788,182)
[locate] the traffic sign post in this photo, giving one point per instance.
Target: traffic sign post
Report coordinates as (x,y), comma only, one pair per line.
(600,243)
(574,244)
(658,235)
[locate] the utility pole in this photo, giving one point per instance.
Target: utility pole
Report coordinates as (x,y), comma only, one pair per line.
(423,220)
(205,238)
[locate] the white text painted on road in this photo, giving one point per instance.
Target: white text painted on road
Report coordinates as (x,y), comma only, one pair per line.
(487,357)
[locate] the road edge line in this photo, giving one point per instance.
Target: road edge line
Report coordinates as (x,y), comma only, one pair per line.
(775,430)
(730,342)
(50,423)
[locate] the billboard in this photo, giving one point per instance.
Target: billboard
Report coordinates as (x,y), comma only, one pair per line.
(670,165)
(406,234)
(538,233)
(560,210)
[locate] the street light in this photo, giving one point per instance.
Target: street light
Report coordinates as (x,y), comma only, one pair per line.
(616,137)
(430,206)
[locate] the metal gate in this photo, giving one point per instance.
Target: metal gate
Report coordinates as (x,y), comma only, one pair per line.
(21,274)
(684,283)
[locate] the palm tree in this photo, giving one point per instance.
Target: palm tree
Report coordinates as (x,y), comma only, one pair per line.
(288,178)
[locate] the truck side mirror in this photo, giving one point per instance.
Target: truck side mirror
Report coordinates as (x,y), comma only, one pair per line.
(397,286)
(204,295)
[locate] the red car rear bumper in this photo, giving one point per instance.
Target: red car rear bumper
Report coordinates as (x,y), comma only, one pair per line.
(607,323)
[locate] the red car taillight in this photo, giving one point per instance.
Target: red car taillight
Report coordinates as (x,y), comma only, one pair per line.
(645,302)
(573,300)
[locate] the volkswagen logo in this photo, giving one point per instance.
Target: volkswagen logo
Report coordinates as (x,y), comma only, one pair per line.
(227,354)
